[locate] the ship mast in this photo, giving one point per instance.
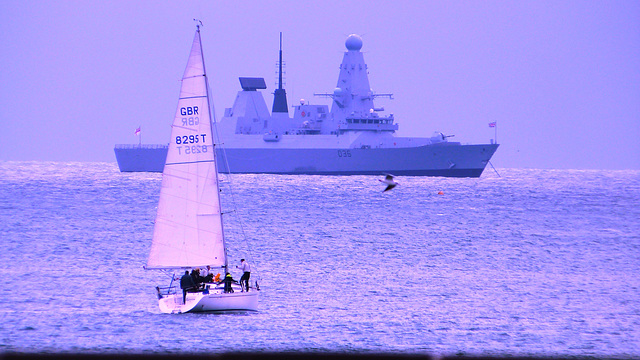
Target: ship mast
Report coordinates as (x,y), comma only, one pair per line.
(280,95)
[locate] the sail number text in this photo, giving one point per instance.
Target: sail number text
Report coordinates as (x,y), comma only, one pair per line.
(191,111)
(192,149)
(187,140)
(190,139)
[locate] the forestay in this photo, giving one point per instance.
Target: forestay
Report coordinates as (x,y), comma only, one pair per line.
(188,228)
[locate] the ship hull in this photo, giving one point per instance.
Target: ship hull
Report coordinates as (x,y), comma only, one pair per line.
(141,158)
(448,160)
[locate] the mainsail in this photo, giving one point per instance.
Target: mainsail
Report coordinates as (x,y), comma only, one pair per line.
(188,229)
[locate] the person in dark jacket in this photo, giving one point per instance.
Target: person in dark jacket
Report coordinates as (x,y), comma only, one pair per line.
(228,280)
(195,276)
(186,284)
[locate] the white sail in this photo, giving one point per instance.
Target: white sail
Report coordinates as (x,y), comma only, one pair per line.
(188,229)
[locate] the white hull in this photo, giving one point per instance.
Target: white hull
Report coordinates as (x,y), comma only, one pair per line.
(215,301)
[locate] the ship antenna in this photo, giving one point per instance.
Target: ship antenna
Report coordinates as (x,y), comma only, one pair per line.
(280,63)
(198,23)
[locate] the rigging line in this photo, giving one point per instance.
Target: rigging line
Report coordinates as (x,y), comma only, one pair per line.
(244,235)
(233,198)
(240,222)
(230,187)
(241,230)
(494,169)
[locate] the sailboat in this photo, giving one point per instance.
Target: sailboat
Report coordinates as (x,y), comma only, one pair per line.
(188,232)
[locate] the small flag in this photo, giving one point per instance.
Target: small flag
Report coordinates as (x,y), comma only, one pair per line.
(491,124)
(137,131)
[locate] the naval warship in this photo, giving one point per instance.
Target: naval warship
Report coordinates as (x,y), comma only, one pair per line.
(353,137)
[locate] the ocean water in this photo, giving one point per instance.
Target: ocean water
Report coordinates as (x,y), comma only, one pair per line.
(531,262)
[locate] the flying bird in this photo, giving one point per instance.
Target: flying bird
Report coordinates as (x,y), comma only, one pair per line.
(389,181)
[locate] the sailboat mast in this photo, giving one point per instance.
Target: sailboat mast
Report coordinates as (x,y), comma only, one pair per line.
(215,159)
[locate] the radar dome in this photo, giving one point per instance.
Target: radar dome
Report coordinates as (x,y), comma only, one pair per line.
(354,42)
(337,92)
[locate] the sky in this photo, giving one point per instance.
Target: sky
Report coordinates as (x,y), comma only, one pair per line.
(560,78)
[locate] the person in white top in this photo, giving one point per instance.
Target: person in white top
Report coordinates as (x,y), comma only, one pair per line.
(246,274)
(206,274)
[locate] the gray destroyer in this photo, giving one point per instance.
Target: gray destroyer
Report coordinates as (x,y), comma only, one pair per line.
(353,137)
